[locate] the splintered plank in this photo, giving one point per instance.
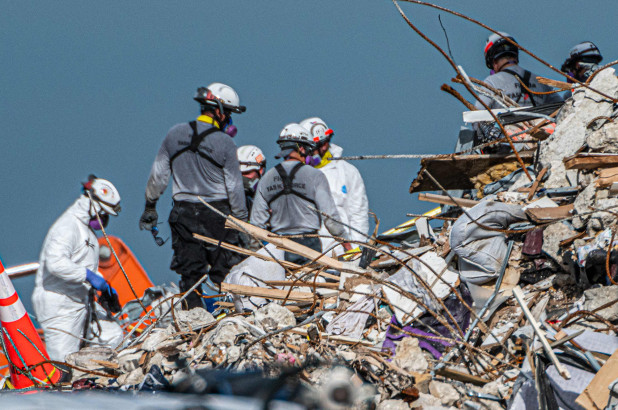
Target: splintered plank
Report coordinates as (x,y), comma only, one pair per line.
(456,172)
(243,290)
(591,161)
(543,215)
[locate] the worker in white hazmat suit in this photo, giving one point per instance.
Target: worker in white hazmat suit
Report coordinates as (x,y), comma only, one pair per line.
(68,264)
(346,186)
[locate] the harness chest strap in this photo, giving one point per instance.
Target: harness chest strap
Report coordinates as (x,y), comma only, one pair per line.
(526,80)
(196,140)
(288,186)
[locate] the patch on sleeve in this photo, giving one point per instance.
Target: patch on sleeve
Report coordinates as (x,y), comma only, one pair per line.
(344,189)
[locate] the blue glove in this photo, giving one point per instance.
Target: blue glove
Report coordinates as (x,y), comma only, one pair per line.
(97,281)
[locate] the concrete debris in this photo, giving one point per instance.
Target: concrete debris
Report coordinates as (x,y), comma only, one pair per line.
(409,356)
(596,298)
(274,316)
(447,394)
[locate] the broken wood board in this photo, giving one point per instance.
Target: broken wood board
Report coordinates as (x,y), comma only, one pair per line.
(596,394)
(587,160)
(243,290)
(284,263)
(607,177)
(445,200)
(294,247)
(462,377)
(230,305)
(301,283)
(457,171)
(555,83)
(544,215)
(334,338)
(536,183)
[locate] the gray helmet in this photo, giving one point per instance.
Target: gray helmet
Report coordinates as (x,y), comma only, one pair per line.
(585,51)
(497,46)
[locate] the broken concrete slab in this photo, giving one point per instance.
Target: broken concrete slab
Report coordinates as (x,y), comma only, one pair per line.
(447,394)
(597,297)
(274,316)
(409,356)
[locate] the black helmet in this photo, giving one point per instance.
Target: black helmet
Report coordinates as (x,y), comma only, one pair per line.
(497,46)
(585,51)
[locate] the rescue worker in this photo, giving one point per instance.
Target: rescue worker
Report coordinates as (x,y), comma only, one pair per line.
(288,193)
(200,156)
(252,166)
(583,60)
(346,186)
(502,58)
(68,270)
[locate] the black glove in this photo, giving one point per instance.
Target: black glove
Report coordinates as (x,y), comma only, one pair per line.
(149,217)
(109,300)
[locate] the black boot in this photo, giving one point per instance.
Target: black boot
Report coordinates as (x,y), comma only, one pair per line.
(194,299)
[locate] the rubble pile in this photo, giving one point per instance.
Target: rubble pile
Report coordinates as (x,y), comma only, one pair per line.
(511,299)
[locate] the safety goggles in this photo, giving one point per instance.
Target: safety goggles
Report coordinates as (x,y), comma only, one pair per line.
(155,234)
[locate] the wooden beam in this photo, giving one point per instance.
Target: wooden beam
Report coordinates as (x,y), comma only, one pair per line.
(543,215)
(243,290)
(591,161)
(555,83)
(536,183)
(607,177)
(462,377)
(519,296)
(234,248)
(293,247)
(335,338)
(328,285)
(445,200)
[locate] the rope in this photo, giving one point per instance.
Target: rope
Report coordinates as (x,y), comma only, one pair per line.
(116,256)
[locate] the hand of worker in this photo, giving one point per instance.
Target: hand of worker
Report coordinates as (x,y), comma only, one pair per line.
(347,246)
(97,281)
(149,217)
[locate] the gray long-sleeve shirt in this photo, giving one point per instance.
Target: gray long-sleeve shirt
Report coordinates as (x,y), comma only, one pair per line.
(512,88)
(291,214)
(194,175)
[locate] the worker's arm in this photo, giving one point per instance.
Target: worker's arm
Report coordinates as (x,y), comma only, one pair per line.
(357,204)
(159,173)
(60,247)
(260,211)
(325,203)
(233,181)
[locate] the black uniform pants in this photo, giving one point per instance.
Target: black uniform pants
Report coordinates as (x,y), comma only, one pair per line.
(191,256)
(313,243)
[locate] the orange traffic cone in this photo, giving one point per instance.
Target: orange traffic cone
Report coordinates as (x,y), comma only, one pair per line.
(22,345)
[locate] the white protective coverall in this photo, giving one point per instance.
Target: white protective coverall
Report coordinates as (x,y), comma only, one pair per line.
(348,190)
(60,294)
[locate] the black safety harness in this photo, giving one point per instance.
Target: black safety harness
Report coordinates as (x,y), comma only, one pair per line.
(196,140)
(288,186)
(525,80)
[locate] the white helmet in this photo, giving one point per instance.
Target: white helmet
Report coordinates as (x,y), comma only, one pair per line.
(225,98)
(250,158)
(291,137)
(318,129)
(105,196)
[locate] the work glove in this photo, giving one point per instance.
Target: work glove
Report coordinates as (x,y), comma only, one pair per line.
(100,284)
(149,217)
(109,300)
